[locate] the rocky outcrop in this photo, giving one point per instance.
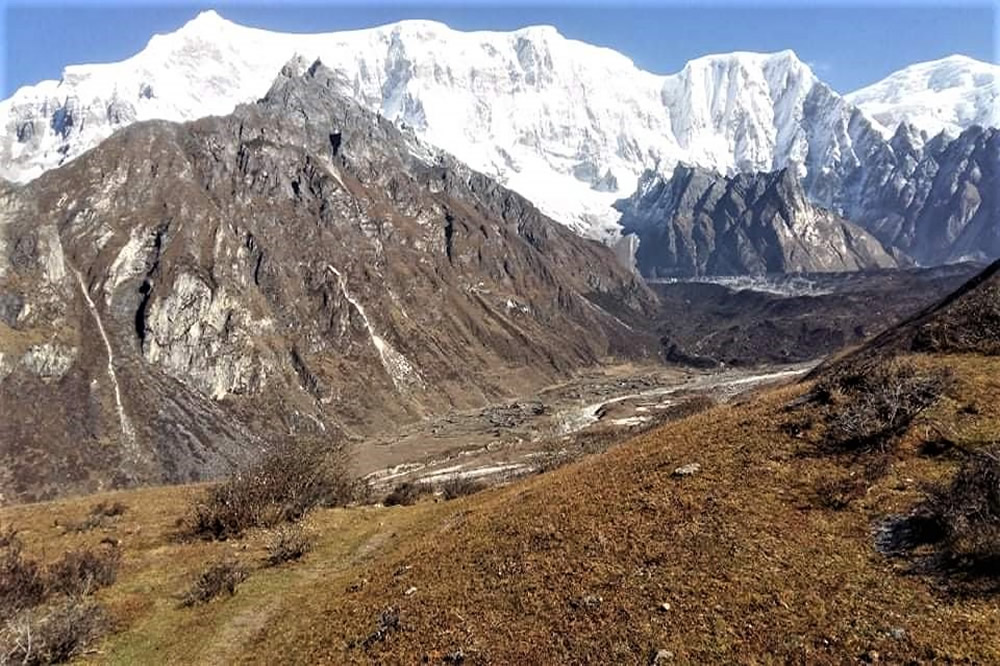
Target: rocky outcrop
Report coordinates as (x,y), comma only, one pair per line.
(183,296)
(701,223)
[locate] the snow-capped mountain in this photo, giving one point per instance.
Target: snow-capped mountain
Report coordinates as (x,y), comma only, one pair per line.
(946,95)
(569,125)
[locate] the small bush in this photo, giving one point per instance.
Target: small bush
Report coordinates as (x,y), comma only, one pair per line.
(8,537)
(82,571)
(101,514)
(22,580)
(407,493)
(289,543)
(871,407)
(281,487)
(55,636)
(458,486)
(967,512)
(221,577)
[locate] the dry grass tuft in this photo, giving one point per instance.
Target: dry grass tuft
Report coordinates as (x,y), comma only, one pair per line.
(220,577)
(288,544)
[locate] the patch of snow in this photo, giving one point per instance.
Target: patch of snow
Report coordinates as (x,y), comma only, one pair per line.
(403,374)
(128,433)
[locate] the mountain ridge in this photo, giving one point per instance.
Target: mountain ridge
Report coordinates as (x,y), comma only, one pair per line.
(184,295)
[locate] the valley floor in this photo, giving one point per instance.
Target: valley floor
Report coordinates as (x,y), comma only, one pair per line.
(614,559)
(508,440)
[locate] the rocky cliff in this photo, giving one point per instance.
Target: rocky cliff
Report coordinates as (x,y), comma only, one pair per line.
(702,223)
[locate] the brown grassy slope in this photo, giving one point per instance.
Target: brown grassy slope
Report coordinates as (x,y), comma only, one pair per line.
(573,566)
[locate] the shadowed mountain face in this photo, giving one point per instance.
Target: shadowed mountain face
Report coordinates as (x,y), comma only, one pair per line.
(182,295)
(939,201)
(702,223)
(965,322)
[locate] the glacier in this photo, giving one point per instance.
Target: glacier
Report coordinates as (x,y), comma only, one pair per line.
(569,125)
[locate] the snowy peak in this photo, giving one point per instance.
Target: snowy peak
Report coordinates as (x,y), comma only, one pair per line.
(569,125)
(949,95)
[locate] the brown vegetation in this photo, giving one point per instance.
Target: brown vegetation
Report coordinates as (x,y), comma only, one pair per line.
(967,513)
(288,544)
(871,405)
(220,577)
(101,514)
(45,616)
(53,635)
(407,493)
(460,486)
(281,487)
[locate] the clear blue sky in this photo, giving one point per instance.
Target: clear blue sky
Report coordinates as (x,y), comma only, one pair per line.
(848,45)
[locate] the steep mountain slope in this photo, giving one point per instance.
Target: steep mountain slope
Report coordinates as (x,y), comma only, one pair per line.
(702,223)
(566,124)
(947,95)
(182,294)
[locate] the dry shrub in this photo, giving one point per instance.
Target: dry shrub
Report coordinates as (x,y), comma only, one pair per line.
(35,630)
(22,580)
(54,635)
(288,544)
(220,577)
(281,487)
(407,493)
(967,513)
(870,407)
(101,514)
(459,486)
(82,571)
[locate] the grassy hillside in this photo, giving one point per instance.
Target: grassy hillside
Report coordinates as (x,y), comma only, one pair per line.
(610,560)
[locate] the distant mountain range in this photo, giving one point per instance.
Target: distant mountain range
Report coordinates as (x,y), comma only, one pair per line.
(568,125)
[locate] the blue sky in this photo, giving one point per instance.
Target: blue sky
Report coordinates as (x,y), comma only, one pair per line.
(849,45)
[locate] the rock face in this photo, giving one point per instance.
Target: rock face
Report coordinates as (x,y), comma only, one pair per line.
(702,223)
(937,200)
(183,295)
